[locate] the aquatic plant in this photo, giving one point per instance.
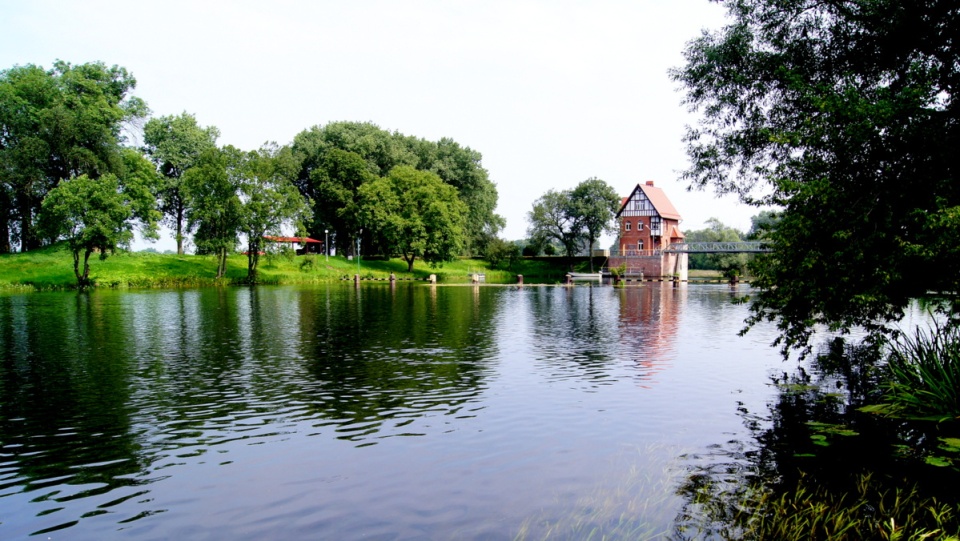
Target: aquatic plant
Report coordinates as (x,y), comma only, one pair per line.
(810,510)
(924,374)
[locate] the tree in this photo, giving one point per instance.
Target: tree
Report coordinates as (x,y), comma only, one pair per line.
(730,264)
(461,168)
(763,224)
(842,114)
(270,200)
(415,214)
(595,203)
(336,159)
(54,125)
(175,144)
(553,218)
(214,208)
(94,214)
(501,251)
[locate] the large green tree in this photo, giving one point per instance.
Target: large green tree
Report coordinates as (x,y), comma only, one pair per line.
(54,125)
(338,158)
(98,215)
(595,203)
(842,114)
(414,213)
(270,201)
(214,208)
(175,144)
(553,218)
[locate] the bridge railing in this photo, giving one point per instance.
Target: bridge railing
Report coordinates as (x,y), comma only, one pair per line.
(635,253)
(757,247)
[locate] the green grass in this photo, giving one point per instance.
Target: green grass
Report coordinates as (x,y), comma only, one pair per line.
(52,268)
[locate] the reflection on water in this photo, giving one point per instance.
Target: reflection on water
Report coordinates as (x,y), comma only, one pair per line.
(407,412)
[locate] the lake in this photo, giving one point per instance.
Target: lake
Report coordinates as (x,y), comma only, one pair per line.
(331,412)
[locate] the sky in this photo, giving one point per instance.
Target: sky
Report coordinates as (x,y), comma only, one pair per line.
(549,92)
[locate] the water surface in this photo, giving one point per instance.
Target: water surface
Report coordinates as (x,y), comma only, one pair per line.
(415,412)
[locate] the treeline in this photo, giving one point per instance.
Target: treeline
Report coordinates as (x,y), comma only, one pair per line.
(730,264)
(68,172)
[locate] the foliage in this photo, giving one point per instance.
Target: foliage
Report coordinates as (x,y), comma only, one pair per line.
(500,251)
(415,214)
(574,218)
(54,125)
(811,511)
(214,209)
(729,264)
(596,203)
(335,160)
(842,115)
(175,144)
(924,374)
(554,218)
(92,215)
(269,198)
(762,225)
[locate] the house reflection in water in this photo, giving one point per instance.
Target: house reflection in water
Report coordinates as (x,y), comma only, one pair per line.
(649,322)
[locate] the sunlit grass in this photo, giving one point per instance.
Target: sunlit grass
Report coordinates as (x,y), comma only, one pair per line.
(52,268)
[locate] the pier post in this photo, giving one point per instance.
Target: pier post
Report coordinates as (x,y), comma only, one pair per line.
(433,279)
(520,279)
(356,280)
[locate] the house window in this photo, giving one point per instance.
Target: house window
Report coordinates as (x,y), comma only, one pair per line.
(626,226)
(639,226)
(640,246)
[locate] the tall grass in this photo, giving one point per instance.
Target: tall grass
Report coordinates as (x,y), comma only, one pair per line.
(924,374)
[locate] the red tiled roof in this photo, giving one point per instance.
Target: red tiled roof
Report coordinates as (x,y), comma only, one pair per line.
(659,200)
(291,239)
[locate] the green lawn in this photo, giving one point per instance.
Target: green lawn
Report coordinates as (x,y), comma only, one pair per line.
(52,268)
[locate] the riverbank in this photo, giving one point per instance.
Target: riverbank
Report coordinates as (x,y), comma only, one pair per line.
(51,268)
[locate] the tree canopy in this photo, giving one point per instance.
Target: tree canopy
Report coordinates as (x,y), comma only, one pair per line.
(340,157)
(842,115)
(415,214)
(54,125)
(574,218)
(175,144)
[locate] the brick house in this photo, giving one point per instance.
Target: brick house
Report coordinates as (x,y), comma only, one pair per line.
(649,223)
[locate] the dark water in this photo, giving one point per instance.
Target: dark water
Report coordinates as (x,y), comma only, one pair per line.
(331,413)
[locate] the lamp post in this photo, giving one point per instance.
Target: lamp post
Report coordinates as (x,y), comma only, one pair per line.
(358,250)
(326,246)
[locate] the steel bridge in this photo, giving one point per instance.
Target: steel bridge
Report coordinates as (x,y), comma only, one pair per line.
(742,247)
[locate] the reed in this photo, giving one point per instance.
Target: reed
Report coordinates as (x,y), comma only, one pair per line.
(924,374)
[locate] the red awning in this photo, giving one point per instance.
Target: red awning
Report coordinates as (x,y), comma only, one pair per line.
(301,240)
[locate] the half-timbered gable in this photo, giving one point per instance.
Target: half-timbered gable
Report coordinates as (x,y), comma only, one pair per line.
(648,221)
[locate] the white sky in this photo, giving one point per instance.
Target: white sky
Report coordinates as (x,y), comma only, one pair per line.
(550,92)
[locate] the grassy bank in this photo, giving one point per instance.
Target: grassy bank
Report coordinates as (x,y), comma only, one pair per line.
(52,268)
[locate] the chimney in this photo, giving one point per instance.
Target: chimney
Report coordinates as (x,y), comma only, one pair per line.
(649,183)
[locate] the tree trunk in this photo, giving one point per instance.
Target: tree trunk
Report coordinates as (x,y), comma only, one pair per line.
(28,239)
(6,208)
(253,257)
(409,261)
(179,232)
(221,262)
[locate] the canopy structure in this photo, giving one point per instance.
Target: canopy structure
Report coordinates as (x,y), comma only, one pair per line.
(296,240)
